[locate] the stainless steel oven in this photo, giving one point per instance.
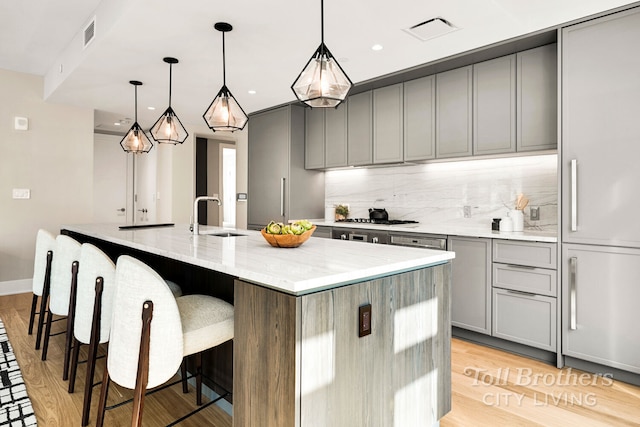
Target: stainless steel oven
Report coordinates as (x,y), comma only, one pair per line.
(426,241)
(361,235)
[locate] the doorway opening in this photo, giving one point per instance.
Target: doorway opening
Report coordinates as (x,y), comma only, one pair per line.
(216,174)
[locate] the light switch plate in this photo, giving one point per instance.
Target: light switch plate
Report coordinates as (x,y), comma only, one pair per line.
(21,123)
(21,193)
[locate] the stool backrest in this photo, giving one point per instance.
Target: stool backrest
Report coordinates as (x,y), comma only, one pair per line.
(67,251)
(136,283)
(45,242)
(95,263)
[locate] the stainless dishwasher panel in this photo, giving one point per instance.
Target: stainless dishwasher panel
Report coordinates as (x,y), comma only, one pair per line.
(419,241)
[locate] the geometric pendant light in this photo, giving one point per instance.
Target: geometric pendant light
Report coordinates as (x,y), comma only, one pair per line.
(224,112)
(136,141)
(322,82)
(168,128)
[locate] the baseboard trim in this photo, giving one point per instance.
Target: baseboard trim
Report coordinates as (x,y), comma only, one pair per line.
(12,287)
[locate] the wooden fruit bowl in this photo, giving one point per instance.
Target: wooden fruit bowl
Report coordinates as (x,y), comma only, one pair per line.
(287,240)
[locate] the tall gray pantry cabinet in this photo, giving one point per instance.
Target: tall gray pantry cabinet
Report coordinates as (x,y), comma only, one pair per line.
(600,177)
(280,189)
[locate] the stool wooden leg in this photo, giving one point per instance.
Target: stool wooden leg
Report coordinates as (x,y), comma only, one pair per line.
(47,333)
(71,311)
(74,365)
(104,390)
(183,374)
(199,378)
(32,315)
(93,351)
(45,298)
(142,377)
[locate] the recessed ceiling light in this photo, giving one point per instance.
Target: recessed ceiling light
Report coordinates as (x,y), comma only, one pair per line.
(252,92)
(376,47)
(151,108)
(116,124)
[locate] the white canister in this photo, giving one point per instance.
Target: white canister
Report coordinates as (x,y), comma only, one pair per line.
(330,214)
(518,220)
(506,224)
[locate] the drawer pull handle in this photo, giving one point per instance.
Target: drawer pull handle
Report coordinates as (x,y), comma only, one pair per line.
(511,291)
(573,267)
(525,267)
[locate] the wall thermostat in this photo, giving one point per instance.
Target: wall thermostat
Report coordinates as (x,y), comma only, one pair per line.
(21,123)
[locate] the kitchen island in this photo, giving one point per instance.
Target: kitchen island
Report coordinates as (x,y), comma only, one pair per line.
(298,357)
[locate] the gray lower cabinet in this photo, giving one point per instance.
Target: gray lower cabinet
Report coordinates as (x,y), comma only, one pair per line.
(420,119)
(279,187)
(600,301)
(537,98)
(322,231)
(454,113)
(524,284)
(388,124)
(471,283)
(494,106)
(360,129)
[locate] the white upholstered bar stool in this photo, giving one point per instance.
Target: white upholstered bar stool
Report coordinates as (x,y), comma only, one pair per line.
(94,299)
(45,246)
(64,271)
(151,333)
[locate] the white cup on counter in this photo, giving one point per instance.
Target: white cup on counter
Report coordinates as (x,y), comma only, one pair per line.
(506,224)
(518,220)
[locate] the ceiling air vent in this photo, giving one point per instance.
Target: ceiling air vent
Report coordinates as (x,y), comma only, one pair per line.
(89,33)
(430,29)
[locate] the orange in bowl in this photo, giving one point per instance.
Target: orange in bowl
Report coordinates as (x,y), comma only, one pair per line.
(287,240)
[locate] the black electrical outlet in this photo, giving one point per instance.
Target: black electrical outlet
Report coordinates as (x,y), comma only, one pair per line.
(364,323)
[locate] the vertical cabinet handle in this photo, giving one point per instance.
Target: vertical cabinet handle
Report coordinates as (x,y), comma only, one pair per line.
(282,184)
(573,267)
(574,195)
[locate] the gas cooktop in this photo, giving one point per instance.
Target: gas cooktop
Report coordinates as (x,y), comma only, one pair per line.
(379,221)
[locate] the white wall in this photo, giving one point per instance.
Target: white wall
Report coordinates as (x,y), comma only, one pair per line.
(437,192)
(54,159)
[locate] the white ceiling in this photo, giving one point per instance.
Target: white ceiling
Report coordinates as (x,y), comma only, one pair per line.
(270,43)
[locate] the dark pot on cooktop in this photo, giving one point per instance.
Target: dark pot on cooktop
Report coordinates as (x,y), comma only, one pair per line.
(378,214)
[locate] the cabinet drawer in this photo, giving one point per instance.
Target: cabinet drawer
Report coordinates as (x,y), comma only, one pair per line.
(532,254)
(526,319)
(526,279)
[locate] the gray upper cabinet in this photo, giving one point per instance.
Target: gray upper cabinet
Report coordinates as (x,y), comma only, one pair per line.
(314,140)
(454,113)
(279,187)
(360,129)
(419,119)
(600,133)
(325,137)
(335,131)
(494,106)
(388,124)
(471,283)
(537,94)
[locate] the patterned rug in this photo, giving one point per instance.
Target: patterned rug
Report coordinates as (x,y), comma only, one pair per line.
(15,406)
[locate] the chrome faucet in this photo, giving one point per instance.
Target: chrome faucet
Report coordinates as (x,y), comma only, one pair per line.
(195,226)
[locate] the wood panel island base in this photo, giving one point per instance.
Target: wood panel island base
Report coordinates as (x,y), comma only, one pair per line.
(300,358)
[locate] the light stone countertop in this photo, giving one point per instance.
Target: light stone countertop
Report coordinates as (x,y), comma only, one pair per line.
(316,265)
(471,230)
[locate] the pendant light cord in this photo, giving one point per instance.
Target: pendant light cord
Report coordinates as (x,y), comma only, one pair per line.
(136,102)
(170,68)
(224,72)
(322,21)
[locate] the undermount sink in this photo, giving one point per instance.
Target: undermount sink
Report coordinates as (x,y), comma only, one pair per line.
(226,234)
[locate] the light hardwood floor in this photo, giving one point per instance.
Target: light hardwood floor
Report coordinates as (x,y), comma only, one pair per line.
(490,388)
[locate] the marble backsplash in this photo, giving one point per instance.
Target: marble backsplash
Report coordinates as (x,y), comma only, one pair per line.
(438,192)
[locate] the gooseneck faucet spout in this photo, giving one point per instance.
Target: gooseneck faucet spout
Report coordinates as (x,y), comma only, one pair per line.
(213,198)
